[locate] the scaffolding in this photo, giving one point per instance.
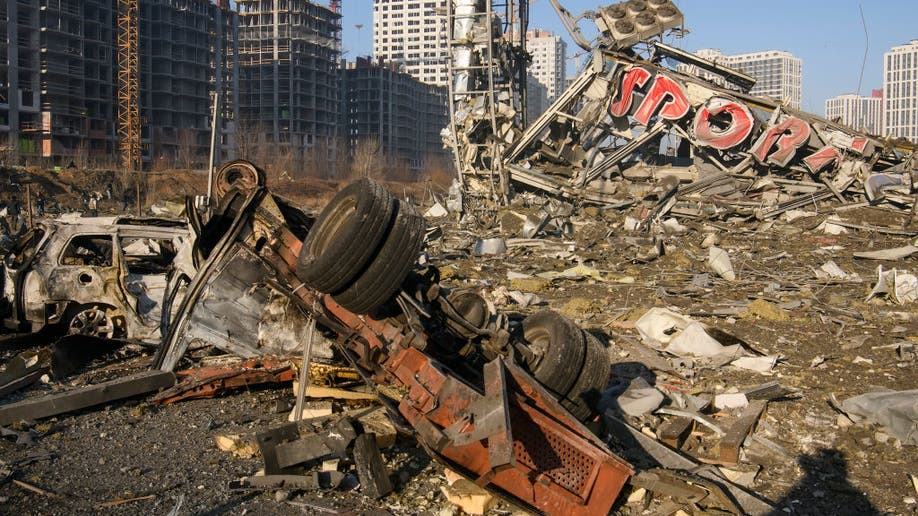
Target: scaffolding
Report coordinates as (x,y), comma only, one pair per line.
(288,77)
(487,85)
(129,83)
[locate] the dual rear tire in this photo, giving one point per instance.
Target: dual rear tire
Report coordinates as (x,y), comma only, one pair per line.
(361,247)
(570,362)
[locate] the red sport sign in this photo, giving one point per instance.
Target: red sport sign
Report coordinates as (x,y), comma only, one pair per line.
(722,122)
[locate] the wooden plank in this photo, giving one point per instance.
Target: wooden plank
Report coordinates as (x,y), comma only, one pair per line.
(129,386)
(374,479)
(675,431)
(730,445)
(23,381)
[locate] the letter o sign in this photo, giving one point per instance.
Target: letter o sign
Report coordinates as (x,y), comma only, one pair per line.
(739,128)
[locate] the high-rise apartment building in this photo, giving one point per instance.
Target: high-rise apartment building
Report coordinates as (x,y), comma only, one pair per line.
(412,33)
(778,74)
(288,77)
(857,112)
(57,89)
(394,111)
(900,91)
(548,61)
(59,77)
(536,98)
(186,51)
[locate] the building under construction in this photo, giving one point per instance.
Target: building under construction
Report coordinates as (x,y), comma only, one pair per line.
(57,85)
(186,54)
(288,78)
(59,78)
(399,114)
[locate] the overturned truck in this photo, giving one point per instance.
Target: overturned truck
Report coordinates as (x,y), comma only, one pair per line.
(500,401)
(605,139)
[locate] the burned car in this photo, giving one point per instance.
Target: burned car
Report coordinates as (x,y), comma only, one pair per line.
(99,276)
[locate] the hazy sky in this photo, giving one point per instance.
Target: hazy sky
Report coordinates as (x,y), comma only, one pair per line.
(827,35)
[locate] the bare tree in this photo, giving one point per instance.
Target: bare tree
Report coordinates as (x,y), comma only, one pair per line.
(248,136)
(367,159)
(81,156)
(187,148)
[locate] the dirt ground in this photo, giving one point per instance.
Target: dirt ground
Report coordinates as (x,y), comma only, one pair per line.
(829,340)
(827,469)
(68,189)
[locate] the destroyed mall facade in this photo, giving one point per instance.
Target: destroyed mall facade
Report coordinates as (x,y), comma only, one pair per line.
(604,141)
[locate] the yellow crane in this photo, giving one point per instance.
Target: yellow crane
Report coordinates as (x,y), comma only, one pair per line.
(129,83)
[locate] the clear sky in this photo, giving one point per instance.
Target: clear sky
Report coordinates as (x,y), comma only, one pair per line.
(826,34)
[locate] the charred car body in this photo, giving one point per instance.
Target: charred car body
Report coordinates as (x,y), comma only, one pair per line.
(101,276)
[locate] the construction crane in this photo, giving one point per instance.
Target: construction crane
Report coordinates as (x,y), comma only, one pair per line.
(129,83)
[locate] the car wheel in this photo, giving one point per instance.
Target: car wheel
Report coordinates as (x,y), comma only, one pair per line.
(557,346)
(95,321)
(239,174)
(345,236)
(583,396)
(387,270)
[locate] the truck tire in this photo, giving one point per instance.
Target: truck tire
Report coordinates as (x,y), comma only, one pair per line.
(388,269)
(558,345)
(583,396)
(345,236)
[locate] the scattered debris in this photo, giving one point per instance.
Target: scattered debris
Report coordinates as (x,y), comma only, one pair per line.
(898,287)
(467,496)
(895,410)
(236,445)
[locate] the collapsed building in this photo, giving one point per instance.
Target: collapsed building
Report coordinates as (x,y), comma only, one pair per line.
(603,140)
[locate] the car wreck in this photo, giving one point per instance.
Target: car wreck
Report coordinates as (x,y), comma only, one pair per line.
(104,277)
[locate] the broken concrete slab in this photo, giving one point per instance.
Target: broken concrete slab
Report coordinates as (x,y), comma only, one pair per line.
(639,398)
(129,386)
(468,497)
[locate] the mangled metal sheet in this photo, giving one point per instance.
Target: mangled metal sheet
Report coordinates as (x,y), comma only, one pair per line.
(235,303)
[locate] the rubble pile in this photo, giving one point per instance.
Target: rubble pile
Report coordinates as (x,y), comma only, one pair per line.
(727,346)
(636,132)
(757,374)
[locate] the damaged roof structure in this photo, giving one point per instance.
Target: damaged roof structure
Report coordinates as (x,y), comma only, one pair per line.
(602,141)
